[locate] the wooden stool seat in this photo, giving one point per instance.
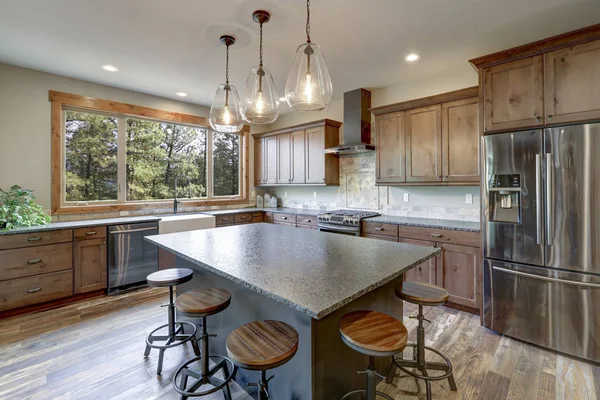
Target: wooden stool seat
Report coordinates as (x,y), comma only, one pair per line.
(422,293)
(203,302)
(262,345)
(170,277)
(373,333)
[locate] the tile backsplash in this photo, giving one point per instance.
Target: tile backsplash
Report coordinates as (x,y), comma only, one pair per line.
(357,190)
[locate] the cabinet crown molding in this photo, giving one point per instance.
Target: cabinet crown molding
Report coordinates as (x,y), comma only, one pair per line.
(460,94)
(306,125)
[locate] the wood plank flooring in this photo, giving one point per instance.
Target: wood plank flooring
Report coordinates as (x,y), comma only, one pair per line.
(93,350)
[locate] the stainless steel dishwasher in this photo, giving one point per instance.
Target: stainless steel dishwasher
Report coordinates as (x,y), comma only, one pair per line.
(130,258)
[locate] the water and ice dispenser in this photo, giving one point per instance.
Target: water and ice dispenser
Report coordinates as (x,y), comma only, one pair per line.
(505,198)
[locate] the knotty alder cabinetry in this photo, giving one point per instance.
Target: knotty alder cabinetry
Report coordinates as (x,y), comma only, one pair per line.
(457,268)
(429,141)
(296,155)
(90,258)
(553,81)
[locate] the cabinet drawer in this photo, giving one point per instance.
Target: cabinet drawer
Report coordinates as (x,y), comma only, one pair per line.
(19,263)
(35,289)
(35,239)
(374,228)
(269,217)
(284,218)
(227,219)
(379,237)
(464,238)
(93,232)
(245,218)
(306,220)
(258,217)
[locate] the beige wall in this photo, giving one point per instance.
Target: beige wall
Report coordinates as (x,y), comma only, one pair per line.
(25,128)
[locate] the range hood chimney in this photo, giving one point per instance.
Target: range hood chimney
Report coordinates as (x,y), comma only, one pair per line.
(357,124)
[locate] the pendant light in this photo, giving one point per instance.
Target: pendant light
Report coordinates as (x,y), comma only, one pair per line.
(225,111)
(260,101)
(308,86)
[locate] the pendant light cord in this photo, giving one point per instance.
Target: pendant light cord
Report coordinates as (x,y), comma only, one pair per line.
(261,44)
(227,66)
(307,21)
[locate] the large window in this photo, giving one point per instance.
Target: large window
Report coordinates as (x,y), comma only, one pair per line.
(122,161)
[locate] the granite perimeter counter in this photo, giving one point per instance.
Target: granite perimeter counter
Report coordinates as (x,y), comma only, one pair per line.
(308,279)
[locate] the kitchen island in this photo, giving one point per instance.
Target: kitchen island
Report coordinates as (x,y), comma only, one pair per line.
(308,279)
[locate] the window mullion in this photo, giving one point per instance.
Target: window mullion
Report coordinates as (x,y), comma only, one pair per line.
(121,160)
(209,164)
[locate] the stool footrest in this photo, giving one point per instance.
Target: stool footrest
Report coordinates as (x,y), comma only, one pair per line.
(364,391)
(224,364)
(403,365)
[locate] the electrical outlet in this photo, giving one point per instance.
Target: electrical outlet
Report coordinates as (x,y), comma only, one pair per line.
(469,198)
(315,195)
(406,197)
(253,193)
(285,194)
(123,213)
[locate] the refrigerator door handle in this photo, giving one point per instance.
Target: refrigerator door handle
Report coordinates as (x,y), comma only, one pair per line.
(538,198)
(549,202)
(546,278)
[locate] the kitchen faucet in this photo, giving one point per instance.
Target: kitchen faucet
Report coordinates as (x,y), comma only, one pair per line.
(175,201)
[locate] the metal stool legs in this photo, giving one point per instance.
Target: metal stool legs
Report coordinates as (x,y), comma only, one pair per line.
(370,393)
(262,385)
(206,375)
(175,336)
(419,364)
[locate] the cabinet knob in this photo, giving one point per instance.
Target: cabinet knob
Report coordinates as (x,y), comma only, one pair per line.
(537,119)
(103,242)
(550,117)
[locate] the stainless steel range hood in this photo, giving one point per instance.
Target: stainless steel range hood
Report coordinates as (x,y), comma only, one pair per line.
(357,124)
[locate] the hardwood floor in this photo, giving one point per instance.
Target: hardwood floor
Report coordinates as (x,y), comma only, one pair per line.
(93,350)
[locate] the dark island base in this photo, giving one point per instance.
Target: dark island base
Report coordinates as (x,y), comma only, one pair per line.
(324,368)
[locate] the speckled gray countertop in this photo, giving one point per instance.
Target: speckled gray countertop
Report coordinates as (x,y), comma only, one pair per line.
(297,211)
(82,224)
(427,223)
(313,272)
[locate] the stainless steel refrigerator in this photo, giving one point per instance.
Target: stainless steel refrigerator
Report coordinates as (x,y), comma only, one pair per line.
(541,210)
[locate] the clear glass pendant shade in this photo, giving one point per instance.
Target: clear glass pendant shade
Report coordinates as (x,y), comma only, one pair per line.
(226,111)
(260,101)
(308,86)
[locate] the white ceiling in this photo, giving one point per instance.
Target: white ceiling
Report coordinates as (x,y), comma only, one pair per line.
(166,46)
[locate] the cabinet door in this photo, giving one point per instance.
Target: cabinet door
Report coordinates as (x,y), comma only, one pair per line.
(572,82)
(270,160)
(284,158)
(390,148)
(258,162)
(315,156)
(513,94)
(425,272)
(90,265)
(298,163)
(460,274)
(424,144)
(460,141)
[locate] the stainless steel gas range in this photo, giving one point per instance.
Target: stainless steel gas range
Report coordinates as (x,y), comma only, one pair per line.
(343,221)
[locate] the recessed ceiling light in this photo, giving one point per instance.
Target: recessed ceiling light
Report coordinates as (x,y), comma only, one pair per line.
(110,68)
(412,57)
(181,94)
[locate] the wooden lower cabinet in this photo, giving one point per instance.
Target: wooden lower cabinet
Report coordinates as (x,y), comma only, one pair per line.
(460,274)
(90,265)
(23,292)
(380,237)
(425,272)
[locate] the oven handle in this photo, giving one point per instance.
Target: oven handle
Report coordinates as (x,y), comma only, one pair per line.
(339,228)
(133,230)
(546,278)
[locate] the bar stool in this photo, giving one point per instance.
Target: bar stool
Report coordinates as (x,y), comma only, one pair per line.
(422,294)
(260,346)
(202,303)
(376,335)
(175,335)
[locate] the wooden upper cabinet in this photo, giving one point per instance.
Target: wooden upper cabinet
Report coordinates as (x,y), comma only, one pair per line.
(284,157)
(298,154)
(390,148)
(460,140)
(270,160)
(258,162)
(90,265)
(572,83)
(315,157)
(424,144)
(513,94)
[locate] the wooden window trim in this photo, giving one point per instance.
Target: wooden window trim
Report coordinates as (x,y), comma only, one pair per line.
(60,101)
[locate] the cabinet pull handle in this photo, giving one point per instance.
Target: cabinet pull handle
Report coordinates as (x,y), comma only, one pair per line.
(37,289)
(31,262)
(307,220)
(537,119)
(283,217)
(436,235)
(379,229)
(91,233)
(225,218)
(34,239)
(243,217)
(550,117)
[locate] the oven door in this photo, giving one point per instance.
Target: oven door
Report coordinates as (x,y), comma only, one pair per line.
(343,229)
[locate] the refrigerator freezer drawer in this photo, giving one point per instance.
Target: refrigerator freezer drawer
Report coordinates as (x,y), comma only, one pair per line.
(550,308)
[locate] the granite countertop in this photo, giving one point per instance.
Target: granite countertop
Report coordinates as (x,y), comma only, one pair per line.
(284,210)
(467,226)
(313,272)
(82,224)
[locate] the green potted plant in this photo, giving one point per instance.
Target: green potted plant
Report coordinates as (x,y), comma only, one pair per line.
(18,209)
